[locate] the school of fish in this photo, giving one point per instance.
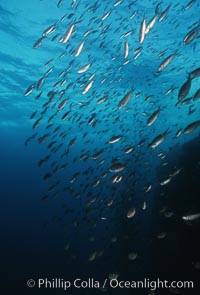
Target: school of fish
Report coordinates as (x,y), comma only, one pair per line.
(88,101)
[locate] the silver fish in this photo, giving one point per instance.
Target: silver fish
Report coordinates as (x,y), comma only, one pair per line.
(117,3)
(125,99)
(39,83)
(153,117)
(190,36)
(67,35)
(101,100)
(116,178)
(191,127)
(191,217)
(189,5)
(29,90)
(38,43)
(165,181)
(178,133)
(126,49)
(117,167)
(158,140)
(175,171)
(164,14)
(131,213)
(49,30)
(142,30)
(83,69)
(150,24)
(165,63)
(129,150)
(106,15)
(62,104)
(144,205)
(87,87)
(115,139)
(79,49)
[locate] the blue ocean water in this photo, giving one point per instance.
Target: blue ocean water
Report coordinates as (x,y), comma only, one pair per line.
(78,155)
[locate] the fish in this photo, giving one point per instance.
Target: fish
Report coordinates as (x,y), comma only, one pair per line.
(132,255)
(165,63)
(150,24)
(186,101)
(87,87)
(178,133)
(55,37)
(116,179)
(115,138)
(106,15)
(161,235)
(175,172)
(129,150)
(148,188)
(39,42)
(40,83)
(153,117)
(168,214)
(131,213)
(164,14)
(191,217)
(62,104)
(189,4)
(142,30)
(126,49)
(117,167)
(67,35)
(133,15)
(49,30)
(158,140)
(29,90)
(157,8)
(165,181)
(144,205)
(123,102)
(43,138)
(59,3)
(126,34)
(191,127)
(48,62)
(65,115)
(117,3)
(36,123)
(33,115)
(184,90)
(196,95)
(92,256)
(194,74)
(30,138)
(79,49)
(100,161)
(101,100)
(97,155)
(84,69)
(49,71)
(189,37)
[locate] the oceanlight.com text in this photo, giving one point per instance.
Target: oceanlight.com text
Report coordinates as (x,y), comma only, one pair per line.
(91,283)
